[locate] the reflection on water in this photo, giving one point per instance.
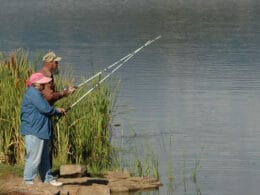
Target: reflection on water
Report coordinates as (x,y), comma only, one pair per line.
(193,95)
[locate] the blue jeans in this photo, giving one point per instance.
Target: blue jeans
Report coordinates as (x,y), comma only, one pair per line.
(37,159)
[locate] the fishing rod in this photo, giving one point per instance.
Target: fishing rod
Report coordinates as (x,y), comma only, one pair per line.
(122,60)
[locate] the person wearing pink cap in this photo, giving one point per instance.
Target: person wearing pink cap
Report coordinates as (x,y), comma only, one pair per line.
(35,127)
(49,69)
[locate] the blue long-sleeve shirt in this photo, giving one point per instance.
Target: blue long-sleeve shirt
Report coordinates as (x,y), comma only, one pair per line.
(35,114)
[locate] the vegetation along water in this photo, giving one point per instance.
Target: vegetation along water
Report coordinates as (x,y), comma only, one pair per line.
(82,136)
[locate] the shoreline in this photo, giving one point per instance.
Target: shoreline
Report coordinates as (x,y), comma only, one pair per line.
(113,182)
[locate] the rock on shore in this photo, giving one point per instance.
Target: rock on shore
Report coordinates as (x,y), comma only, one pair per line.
(75,183)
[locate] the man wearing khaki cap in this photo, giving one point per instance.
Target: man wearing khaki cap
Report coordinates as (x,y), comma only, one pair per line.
(49,68)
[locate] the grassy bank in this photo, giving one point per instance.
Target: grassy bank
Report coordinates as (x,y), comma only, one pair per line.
(80,137)
(7,170)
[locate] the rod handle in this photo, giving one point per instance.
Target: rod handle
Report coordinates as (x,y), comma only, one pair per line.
(67,109)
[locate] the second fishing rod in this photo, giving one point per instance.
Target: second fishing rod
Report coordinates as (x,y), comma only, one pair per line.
(118,64)
(120,61)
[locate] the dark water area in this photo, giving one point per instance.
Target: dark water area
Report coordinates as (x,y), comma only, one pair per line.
(191,96)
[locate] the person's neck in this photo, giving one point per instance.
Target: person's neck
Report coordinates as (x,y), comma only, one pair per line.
(47,71)
(37,86)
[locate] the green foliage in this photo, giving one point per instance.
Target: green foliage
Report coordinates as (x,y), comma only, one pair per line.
(14,70)
(6,170)
(82,136)
(146,166)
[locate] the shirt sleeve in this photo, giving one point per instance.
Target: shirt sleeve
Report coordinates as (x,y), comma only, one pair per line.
(51,95)
(42,105)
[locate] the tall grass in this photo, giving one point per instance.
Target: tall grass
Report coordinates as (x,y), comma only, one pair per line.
(14,70)
(82,136)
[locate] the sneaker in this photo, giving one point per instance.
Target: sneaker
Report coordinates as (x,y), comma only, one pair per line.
(55,183)
(28,182)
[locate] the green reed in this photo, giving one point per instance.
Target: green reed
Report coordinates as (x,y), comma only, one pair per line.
(146,165)
(82,136)
(14,70)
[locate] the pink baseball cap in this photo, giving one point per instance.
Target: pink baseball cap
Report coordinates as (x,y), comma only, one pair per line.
(38,78)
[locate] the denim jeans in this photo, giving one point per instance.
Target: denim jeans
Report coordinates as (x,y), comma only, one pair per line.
(37,159)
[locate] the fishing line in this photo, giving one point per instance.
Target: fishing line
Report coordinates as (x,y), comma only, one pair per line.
(118,65)
(120,61)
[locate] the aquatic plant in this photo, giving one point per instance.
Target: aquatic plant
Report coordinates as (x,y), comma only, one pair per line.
(14,70)
(143,165)
(83,135)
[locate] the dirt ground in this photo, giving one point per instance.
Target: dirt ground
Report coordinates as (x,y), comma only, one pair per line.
(112,183)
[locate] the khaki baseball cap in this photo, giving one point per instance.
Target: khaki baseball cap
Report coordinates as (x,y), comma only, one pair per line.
(50,56)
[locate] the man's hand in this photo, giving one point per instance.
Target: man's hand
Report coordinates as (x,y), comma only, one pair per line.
(72,89)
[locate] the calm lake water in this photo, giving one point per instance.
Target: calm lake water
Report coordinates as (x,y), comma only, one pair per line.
(192,96)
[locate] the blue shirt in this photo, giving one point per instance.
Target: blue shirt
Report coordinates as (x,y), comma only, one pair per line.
(35,114)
